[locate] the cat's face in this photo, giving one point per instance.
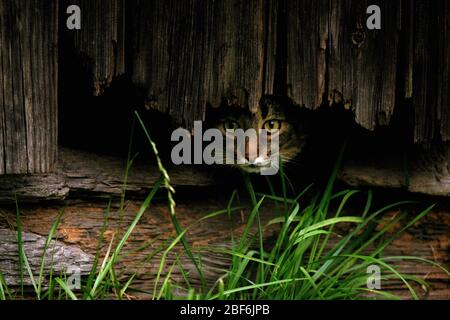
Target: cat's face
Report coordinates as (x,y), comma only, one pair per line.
(280,119)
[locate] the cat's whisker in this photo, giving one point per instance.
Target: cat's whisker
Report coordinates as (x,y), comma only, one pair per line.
(290,160)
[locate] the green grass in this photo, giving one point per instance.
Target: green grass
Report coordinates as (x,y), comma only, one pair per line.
(311,257)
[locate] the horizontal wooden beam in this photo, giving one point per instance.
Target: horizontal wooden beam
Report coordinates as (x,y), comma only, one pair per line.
(83,174)
(427,171)
(86,174)
(67,259)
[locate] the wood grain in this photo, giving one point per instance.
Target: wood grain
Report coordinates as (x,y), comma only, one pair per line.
(431,70)
(82,224)
(427,171)
(66,259)
(28,86)
(362,62)
(186,54)
(84,174)
(307,36)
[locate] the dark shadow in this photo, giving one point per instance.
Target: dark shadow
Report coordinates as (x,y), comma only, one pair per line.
(104,124)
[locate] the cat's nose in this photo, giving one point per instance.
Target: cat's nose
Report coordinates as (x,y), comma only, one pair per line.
(251,152)
(256,162)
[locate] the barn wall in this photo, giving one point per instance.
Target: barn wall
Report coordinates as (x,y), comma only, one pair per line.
(186,54)
(430,68)
(28,86)
(363,63)
(333,57)
(307,35)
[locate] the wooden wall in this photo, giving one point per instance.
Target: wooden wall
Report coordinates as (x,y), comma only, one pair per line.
(429,68)
(187,54)
(332,55)
(28,85)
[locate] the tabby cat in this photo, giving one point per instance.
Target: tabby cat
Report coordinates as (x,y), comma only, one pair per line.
(275,114)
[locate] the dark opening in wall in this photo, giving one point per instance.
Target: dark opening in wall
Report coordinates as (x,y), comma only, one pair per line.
(104,124)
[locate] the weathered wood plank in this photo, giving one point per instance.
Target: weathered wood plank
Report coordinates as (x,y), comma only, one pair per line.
(431,70)
(237,59)
(15,131)
(2,109)
(84,174)
(444,75)
(362,62)
(59,258)
(28,54)
(100,42)
(331,53)
(186,54)
(307,36)
(274,48)
(427,171)
(190,53)
(407,44)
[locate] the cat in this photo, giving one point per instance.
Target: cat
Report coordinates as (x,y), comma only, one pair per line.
(277,114)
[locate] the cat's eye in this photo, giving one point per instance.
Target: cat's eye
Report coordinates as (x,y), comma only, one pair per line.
(230,125)
(272,125)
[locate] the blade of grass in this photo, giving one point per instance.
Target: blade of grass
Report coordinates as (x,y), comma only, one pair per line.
(4,290)
(66,289)
(20,245)
(170,192)
(46,245)
(93,270)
